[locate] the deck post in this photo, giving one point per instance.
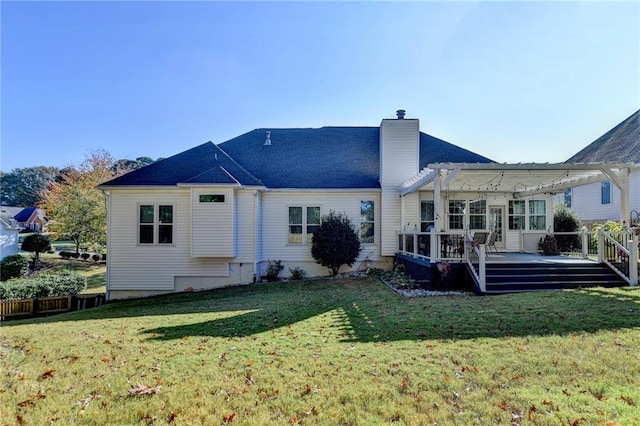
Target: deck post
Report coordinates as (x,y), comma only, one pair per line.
(633,259)
(434,246)
(585,243)
(482,268)
(600,246)
(415,244)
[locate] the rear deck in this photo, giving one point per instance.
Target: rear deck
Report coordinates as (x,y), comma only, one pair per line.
(506,272)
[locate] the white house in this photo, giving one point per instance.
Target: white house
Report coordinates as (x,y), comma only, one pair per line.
(9,243)
(215,215)
(603,201)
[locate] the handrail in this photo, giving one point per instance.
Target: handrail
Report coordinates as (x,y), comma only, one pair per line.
(479,275)
(622,260)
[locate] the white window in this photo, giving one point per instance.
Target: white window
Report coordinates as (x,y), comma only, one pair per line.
(478,214)
(605,192)
(367,222)
(456,214)
(212,198)
(303,222)
(516,214)
(537,215)
(155,224)
(568,196)
(427,215)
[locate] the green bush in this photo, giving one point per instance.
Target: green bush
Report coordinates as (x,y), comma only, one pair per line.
(95,257)
(45,285)
(273,270)
(85,256)
(65,254)
(297,273)
(335,242)
(549,246)
(566,220)
(13,266)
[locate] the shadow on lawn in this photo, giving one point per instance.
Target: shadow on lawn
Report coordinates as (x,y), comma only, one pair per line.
(366,311)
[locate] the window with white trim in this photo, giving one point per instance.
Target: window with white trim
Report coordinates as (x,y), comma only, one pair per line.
(427,215)
(367,222)
(155,224)
(537,215)
(517,211)
(605,192)
(568,197)
(478,214)
(303,222)
(456,214)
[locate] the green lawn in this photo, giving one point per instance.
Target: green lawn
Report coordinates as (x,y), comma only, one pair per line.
(95,272)
(330,353)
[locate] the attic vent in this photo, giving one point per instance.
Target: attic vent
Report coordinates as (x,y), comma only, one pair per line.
(268,140)
(400,113)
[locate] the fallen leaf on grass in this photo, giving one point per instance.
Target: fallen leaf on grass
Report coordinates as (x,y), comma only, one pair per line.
(47,374)
(140,389)
(627,399)
(229,418)
(85,402)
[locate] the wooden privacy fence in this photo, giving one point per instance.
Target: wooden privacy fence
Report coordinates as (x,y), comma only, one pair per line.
(48,305)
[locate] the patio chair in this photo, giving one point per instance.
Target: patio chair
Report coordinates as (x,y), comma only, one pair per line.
(491,242)
(480,237)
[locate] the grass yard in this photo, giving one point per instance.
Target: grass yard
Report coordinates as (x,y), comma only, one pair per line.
(346,352)
(96,273)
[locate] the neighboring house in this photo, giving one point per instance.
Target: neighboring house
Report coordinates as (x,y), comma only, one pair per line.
(31,219)
(600,202)
(9,239)
(215,215)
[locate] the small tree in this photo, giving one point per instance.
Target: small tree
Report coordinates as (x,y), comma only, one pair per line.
(335,243)
(36,244)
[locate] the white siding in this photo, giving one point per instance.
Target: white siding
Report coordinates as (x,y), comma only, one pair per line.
(8,241)
(134,268)
(275,224)
(587,203)
(399,161)
(213,224)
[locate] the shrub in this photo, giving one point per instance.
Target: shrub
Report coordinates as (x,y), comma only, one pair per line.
(65,254)
(13,266)
(44,285)
(549,246)
(273,270)
(85,256)
(95,257)
(566,220)
(104,257)
(335,242)
(297,273)
(75,255)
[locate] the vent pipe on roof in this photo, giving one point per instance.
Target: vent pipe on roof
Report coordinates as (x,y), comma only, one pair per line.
(268,141)
(400,113)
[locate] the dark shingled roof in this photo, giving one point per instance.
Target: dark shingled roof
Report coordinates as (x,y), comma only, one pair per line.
(619,145)
(24,214)
(328,157)
(204,164)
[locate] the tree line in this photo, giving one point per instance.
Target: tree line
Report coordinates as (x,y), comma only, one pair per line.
(76,209)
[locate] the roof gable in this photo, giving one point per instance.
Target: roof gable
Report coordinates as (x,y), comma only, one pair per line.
(620,144)
(200,165)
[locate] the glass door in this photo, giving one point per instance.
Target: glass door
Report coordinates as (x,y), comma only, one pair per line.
(496,223)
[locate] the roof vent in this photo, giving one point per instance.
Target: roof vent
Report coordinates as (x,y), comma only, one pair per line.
(400,113)
(268,140)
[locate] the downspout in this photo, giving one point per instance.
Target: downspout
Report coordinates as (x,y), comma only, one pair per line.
(107,280)
(256,232)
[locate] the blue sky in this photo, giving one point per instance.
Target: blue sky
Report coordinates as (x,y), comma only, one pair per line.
(514,81)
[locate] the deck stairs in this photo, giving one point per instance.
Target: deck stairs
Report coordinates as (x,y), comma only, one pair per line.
(517,277)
